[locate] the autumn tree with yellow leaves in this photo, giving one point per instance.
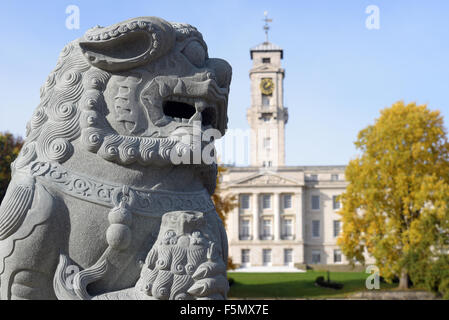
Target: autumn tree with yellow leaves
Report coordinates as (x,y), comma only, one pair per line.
(224,204)
(9,149)
(397,197)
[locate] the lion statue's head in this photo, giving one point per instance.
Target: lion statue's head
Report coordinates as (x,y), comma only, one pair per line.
(128,93)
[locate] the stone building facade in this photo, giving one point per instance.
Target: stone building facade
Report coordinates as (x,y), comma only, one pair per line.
(287,215)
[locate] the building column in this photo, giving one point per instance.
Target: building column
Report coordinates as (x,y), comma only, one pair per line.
(299,223)
(277,216)
(299,217)
(236,222)
(256,228)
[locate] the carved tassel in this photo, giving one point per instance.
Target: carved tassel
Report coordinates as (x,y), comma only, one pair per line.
(118,234)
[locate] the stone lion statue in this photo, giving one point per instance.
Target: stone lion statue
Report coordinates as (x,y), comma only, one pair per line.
(103,203)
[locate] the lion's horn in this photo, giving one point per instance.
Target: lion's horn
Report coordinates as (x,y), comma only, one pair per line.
(128,44)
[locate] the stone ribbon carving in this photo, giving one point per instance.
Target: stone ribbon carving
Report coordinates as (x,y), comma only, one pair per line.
(151,203)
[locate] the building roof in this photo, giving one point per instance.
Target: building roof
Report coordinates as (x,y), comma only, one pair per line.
(266,47)
(322,168)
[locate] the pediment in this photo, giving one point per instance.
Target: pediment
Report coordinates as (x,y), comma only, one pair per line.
(266,179)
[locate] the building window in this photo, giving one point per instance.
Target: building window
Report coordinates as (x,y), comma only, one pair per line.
(266,60)
(266,257)
(313,177)
(334,177)
(244,229)
(270,163)
(335,203)
(287,228)
(287,201)
(337,256)
(266,201)
(267,142)
(336,228)
(315,228)
(316,256)
(266,228)
(245,256)
(315,202)
(265,100)
(244,201)
(288,257)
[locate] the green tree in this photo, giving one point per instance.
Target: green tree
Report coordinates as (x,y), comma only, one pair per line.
(430,269)
(224,204)
(397,196)
(9,150)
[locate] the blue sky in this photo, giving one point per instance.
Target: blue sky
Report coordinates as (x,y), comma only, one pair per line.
(339,74)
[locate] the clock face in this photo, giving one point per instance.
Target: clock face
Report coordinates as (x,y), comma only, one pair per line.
(267,86)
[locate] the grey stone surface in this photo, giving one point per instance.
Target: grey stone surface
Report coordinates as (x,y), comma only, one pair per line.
(97,208)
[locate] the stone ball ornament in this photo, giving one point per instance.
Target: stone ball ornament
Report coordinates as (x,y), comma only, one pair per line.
(97,208)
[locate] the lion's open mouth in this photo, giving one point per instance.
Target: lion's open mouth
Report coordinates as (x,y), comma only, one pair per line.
(177,103)
(188,110)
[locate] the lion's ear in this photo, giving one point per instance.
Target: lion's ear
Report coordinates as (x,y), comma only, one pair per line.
(128,44)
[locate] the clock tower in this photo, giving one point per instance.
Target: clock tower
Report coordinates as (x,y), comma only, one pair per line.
(267,115)
(287,216)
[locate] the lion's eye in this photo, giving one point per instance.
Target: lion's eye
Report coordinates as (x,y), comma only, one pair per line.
(196,54)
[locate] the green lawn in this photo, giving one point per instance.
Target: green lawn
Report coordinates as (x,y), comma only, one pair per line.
(295,285)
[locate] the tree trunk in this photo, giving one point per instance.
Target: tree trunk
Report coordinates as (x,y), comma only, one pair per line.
(403,281)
